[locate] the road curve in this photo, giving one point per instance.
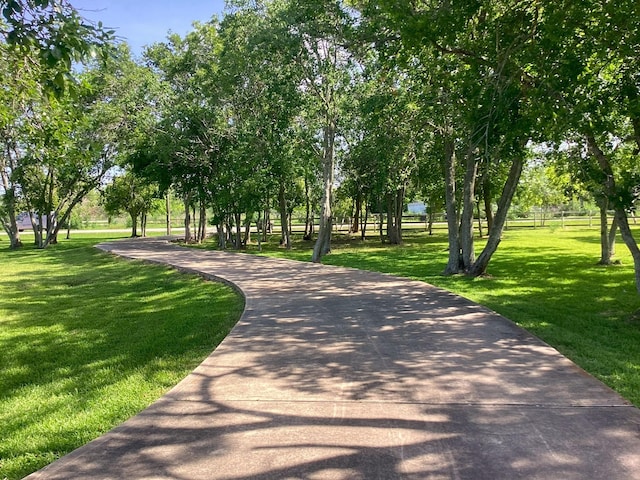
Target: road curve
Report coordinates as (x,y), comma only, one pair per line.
(335,373)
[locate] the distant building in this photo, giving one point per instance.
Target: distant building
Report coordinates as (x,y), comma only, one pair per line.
(417,208)
(23,220)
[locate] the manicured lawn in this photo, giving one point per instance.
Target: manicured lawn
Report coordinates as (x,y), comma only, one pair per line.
(546,280)
(88,340)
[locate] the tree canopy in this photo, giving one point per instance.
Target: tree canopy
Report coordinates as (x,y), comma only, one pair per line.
(280,102)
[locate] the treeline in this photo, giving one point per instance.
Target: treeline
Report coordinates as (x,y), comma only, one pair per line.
(278,102)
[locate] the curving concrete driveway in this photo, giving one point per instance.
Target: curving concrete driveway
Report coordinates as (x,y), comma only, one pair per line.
(334,373)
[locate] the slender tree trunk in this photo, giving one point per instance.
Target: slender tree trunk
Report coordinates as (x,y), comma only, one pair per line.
(259,230)
(9,199)
(134,224)
(453,265)
(323,242)
(479,267)
(187,219)
(391,238)
(247,229)
(12,230)
(468,203)
(203,222)
(365,220)
(395,203)
(605,246)
(488,200)
(266,227)
(167,203)
(612,236)
(307,217)
(238,235)
(37,230)
(357,212)
(431,218)
(143,224)
(282,200)
(479,220)
(290,218)
(222,234)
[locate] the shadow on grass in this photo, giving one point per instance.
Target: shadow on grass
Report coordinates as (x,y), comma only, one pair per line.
(79,324)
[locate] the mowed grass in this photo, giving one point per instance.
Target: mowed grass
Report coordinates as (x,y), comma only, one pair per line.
(87,340)
(547,280)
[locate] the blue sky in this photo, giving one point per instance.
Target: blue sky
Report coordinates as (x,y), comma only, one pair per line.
(143,22)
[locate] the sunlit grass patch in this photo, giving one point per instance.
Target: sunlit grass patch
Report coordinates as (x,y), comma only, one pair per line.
(88,340)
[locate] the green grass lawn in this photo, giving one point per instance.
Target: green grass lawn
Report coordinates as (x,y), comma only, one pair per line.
(546,280)
(88,340)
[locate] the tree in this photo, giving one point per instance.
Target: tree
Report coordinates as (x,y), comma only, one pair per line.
(314,36)
(70,143)
(593,98)
(132,194)
(192,135)
(19,89)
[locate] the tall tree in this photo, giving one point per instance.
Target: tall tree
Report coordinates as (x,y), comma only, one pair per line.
(132,194)
(315,34)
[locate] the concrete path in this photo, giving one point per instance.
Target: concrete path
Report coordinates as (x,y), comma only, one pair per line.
(334,373)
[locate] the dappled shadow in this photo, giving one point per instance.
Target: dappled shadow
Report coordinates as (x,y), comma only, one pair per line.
(338,373)
(76,338)
(256,440)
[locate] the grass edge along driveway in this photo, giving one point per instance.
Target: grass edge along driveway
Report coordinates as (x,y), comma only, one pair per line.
(88,340)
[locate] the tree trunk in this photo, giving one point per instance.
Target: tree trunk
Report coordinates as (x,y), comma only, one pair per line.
(9,199)
(238,236)
(391,238)
(468,204)
(36,223)
(453,265)
(246,239)
(431,218)
(630,241)
(266,224)
(479,267)
(612,236)
(605,246)
(134,224)
(258,230)
(167,200)
(12,229)
(323,242)
(202,222)
(143,224)
(610,191)
(308,225)
(395,203)
(285,239)
(187,219)
(357,213)
(363,230)
(488,200)
(222,235)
